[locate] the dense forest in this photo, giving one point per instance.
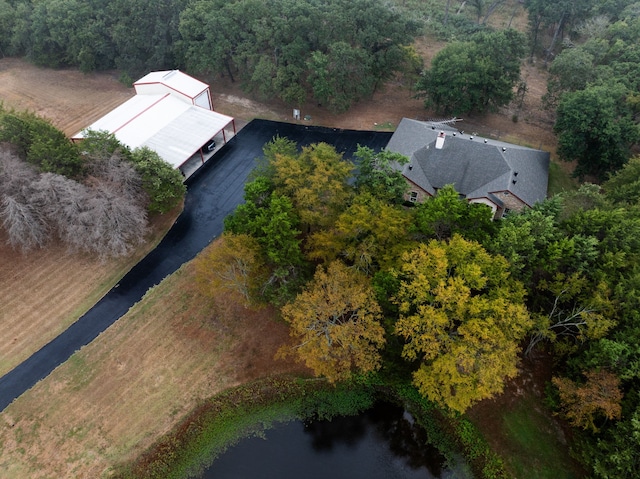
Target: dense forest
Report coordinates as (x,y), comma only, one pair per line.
(436,294)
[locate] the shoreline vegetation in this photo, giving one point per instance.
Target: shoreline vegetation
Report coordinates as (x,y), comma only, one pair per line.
(221,421)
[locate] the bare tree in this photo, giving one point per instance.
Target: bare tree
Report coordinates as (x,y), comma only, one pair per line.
(25,226)
(119,174)
(15,174)
(118,223)
(106,216)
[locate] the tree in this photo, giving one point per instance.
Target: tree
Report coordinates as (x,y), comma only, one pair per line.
(40,143)
(316,180)
(623,187)
(599,396)
(24,224)
(615,454)
(378,173)
(446,214)
(580,310)
(474,76)
(162,182)
(572,70)
(340,76)
(595,127)
(369,235)
(233,263)
(485,9)
(336,51)
(271,219)
(105,215)
(335,323)
(7,20)
(462,318)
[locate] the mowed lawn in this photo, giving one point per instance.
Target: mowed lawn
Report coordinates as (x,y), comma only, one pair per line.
(44,291)
(114,397)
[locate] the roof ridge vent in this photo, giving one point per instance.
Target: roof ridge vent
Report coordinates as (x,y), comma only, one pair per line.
(169,74)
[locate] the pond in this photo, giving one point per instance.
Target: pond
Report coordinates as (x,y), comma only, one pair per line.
(382,443)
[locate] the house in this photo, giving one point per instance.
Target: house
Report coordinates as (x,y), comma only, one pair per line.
(500,175)
(172,114)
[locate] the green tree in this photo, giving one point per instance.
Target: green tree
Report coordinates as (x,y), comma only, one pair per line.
(272,221)
(378,174)
(623,187)
(474,76)
(336,51)
(40,143)
(335,324)
(144,34)
(340,76)
(7,21)
(463,318)
(614,455)
(446,214)
(595,127)
(572,70)
(162,182)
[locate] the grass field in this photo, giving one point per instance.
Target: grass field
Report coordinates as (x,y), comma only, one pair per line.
(115,396)
(44,291)
(537,450)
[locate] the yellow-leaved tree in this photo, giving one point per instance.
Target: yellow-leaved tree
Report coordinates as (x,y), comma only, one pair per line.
(463,317)
(233,264)
(370,234)
(335,323)
(317,181)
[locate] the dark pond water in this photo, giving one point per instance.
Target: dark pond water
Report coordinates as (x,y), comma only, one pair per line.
(382,443)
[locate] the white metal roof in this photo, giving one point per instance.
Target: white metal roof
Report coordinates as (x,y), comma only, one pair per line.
(172,128)
(175,80)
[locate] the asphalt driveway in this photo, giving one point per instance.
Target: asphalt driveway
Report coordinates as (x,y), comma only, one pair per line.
(213,192)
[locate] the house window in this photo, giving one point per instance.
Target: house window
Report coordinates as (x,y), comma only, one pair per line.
(413,196)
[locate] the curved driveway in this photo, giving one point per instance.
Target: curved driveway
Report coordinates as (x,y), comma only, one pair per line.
(213,192)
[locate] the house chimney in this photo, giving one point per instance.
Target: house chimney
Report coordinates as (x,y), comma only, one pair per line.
(440,141)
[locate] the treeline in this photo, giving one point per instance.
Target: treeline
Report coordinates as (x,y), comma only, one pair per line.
(595,87)
(440,295)
(95,197)
(91,34)
(335,51)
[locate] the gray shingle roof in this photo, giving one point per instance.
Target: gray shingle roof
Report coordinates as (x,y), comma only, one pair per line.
(475,166)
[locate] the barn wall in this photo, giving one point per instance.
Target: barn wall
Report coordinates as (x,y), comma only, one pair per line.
(203,100)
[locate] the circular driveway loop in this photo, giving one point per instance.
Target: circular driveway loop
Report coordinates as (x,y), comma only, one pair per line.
(213,192)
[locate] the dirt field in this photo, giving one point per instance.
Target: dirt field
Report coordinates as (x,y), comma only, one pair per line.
(70,99)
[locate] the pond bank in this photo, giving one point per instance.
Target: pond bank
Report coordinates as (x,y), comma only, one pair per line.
(223,420)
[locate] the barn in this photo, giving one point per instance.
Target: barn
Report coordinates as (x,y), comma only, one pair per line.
(172,113)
